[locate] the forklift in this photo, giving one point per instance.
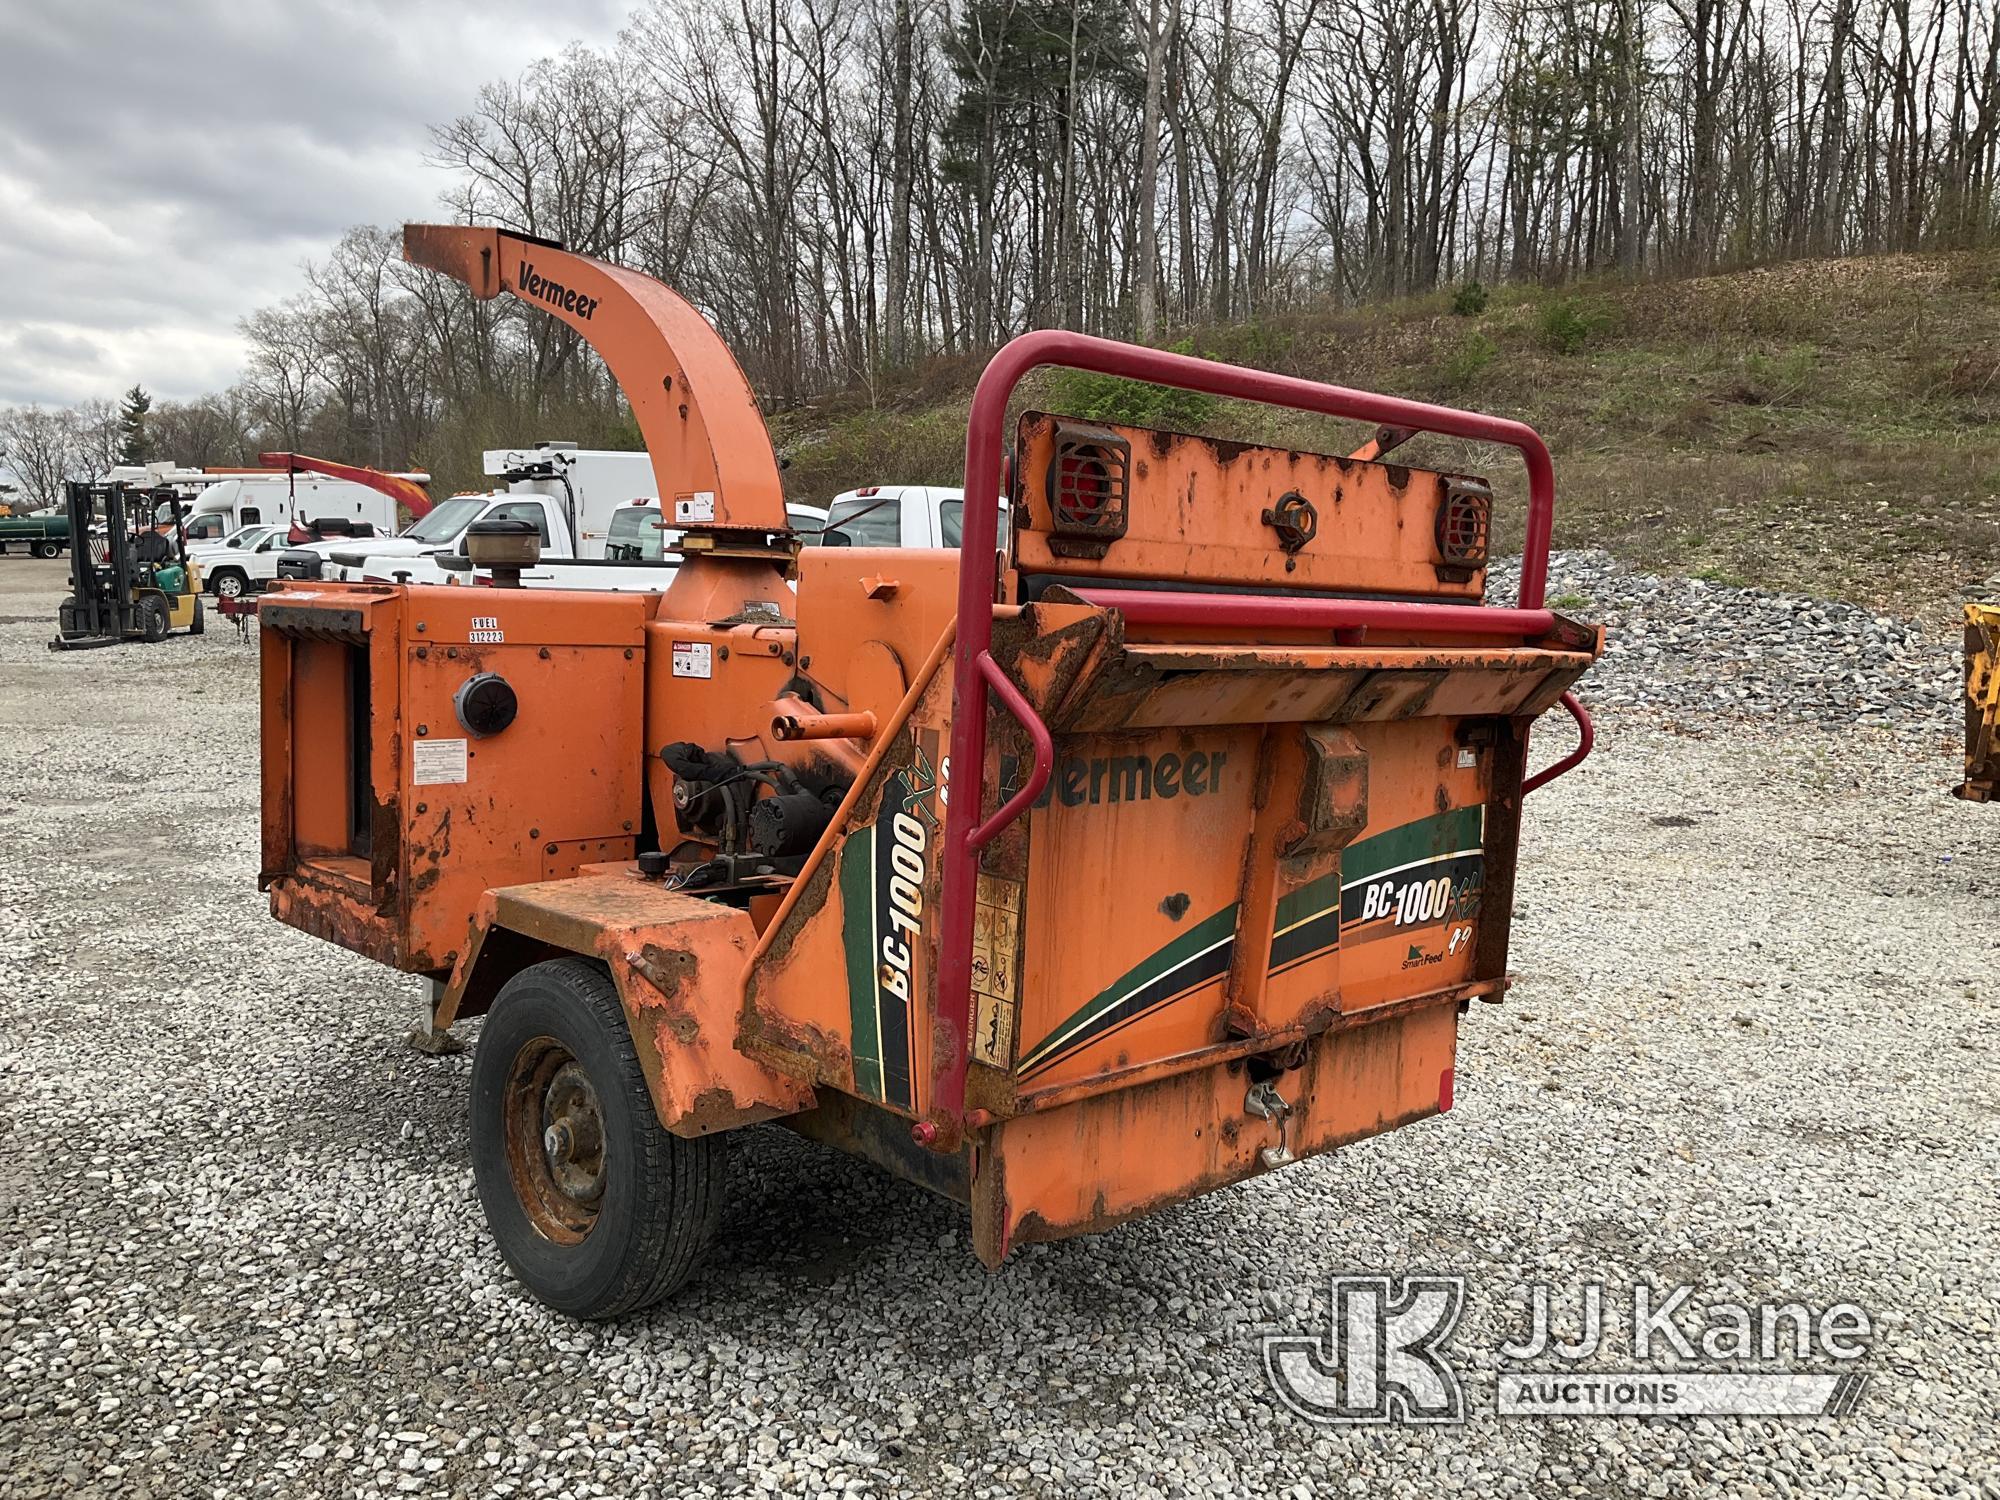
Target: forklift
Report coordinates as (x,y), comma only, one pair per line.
(130,578)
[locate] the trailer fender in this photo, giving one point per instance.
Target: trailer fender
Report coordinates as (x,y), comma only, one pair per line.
(678,964)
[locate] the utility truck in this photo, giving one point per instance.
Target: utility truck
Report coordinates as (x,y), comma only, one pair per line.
(897,515)
(1155,850)
(641,544)
(568,494)
(292,490)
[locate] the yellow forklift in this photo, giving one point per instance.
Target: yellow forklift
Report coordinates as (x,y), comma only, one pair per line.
(130,578)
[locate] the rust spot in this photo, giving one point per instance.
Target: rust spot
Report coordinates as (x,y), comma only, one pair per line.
(668,970)
(715,1109)
(1398,474)
(1175,906)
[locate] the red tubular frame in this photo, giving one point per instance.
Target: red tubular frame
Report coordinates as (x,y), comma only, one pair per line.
(974,671)
(1586,736)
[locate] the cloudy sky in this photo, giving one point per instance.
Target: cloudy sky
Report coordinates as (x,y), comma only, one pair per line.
(165,168)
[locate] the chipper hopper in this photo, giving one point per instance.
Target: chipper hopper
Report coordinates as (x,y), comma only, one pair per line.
(1157,847)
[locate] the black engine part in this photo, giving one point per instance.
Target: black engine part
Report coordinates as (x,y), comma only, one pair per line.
(789,823)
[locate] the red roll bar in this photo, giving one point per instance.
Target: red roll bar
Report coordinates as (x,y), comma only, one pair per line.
(974,671)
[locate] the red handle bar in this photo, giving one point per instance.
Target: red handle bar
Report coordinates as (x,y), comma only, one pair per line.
(972,667)
(1586,736)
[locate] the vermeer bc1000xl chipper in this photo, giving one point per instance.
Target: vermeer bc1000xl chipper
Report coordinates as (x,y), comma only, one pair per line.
(1157,847)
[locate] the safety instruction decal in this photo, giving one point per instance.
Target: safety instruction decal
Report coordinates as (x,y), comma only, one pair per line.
(700,506)
(438,762)
(996,975)
(694,659)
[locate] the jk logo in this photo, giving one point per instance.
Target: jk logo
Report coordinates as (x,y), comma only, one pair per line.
(1380,1359)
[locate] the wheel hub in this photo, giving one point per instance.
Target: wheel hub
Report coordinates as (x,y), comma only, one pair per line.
(573,1135)
(555,1140)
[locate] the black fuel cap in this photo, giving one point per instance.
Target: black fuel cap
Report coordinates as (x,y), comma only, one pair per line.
(653,864)
(485,704)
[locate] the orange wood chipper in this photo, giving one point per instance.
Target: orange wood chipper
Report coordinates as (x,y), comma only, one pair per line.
(1070,875)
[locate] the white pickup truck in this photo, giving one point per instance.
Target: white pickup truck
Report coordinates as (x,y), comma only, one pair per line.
(637,557)
(898,515)
(242,562)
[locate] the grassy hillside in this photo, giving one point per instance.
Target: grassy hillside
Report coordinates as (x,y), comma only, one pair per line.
(1827,427)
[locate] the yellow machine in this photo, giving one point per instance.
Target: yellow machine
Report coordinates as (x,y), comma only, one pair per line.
(1982,703)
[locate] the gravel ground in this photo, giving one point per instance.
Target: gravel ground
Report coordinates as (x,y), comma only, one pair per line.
(1752,1049)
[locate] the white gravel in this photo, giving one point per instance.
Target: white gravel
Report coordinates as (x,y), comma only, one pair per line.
(1753,1048)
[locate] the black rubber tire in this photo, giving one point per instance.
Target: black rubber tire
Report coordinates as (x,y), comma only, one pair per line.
(662,1194)
(151,611)
(46,550)
(218,581)
(197,626)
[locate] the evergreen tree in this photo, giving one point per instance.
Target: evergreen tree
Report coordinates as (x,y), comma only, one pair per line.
(135,447)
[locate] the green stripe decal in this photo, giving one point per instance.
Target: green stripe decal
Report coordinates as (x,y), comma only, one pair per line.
(857,907)
(1196,956)
(1308,923)
(1427,838)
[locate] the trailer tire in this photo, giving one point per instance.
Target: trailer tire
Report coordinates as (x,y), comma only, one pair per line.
(46,549)
(595,1206)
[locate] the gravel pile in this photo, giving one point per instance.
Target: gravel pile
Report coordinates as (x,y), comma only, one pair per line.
(1700,651)
(240,1253)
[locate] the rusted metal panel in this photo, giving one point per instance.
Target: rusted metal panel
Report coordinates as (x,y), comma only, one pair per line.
(439,813)
(1198,512)
(677,962)
(1151,1144)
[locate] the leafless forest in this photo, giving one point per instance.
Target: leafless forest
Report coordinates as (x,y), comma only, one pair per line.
(849,189)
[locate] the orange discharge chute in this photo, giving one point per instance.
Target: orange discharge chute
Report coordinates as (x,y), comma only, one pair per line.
(711,452)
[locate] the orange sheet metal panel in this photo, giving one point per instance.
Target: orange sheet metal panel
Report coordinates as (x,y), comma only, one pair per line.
(1130,906)
(481,812)
(1147,844)
(1114,1156)
(377,673)
(678,963)
(1197,515)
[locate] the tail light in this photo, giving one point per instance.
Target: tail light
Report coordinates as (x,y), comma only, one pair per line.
(1089,483)
(1463,519)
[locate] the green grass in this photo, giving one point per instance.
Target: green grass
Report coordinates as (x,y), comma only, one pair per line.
(1829,428)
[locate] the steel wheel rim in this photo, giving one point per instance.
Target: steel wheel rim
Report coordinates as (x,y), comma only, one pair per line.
(556,1148)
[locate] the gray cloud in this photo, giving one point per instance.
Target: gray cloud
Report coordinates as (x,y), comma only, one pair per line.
(166,169)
